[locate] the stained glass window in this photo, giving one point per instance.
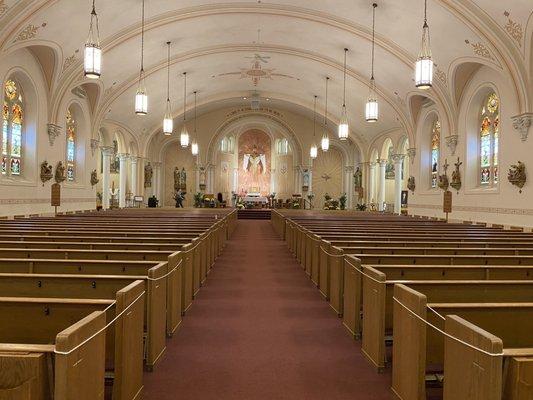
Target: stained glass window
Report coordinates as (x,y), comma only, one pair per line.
(12,129)
(71,147)
(435,151)
(489,140)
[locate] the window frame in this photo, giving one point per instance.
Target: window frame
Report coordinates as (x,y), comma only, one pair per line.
(7,132)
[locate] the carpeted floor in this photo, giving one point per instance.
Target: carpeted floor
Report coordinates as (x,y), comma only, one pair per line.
(259,329)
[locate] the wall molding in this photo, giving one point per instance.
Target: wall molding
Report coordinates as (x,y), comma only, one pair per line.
(490,210)
(46,200)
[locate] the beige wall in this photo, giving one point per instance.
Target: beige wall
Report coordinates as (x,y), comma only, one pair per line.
(327,176)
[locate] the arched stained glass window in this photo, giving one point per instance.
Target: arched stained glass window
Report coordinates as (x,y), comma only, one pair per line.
(489,140)
(71,146)
(282,146)
(435,152)
(12,126)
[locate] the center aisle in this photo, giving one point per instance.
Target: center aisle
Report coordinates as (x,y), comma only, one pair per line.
(259,329)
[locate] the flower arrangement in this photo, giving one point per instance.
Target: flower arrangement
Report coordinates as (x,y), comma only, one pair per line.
(342,201)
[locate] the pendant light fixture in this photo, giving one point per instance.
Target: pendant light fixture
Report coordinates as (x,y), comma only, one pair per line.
(184,137)
(313,152)
(324,144)
(372,107)
(424,63)
(168,122)
(92,63)
(194,145)
(344,128)
(141,98)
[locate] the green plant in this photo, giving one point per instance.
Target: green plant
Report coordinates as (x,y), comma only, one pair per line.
(361,207)
(342,201)
(198,200)
(327,197)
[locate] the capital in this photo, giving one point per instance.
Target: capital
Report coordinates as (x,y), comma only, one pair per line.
(522,123)
(382,163)
(53,131)
(107,150)
(398,158)
(123,156)
(451,142)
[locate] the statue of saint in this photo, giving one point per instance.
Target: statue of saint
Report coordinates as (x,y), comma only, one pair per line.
(255,162)
(177,178)
(183,180)
(358,178)
(60,172)
(305,177)
(148,172)
(202,178)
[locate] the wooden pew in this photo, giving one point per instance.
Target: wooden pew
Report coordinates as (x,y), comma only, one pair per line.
(153,274)
(43,368)
(419,348)
(378,302)
(124,339)
(495,373)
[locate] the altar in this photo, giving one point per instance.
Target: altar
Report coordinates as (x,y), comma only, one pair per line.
(255,199)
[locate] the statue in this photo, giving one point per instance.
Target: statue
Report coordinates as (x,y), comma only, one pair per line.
(148,172)
(358,178)
(305,177)
(94,178)
(183,180)
(411,184)
(255,162)
(517,175)
(444,183)
(60,172)
(202,178)
(177,179)
(46,172)
(456,176)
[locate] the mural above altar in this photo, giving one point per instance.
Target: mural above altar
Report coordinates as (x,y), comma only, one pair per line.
(255,158)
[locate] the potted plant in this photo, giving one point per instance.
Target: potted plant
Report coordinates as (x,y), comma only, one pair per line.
(198,200)
(342,201)
(361,207)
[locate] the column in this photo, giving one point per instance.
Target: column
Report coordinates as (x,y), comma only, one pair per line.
(348,189)
(272,180)
(210,178)
(156,185)
(297,185)
(372,183)
(197,175)
(107,152)
(381,194)
(235,183)
(134,182)
(398,165)
(123,173)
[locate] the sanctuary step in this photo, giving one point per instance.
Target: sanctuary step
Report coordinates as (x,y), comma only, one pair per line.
(253,214)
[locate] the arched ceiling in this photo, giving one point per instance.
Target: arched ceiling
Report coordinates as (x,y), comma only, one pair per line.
(301,42)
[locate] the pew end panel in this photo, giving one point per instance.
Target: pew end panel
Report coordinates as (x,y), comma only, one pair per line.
(79,374)
(409,350)
(174,294)
(519,379)
(323,278)
(351,317)
(157,318)
(470,373)
(374,304)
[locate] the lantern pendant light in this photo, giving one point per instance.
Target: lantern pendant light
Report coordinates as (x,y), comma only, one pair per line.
(184,137)
(324,144)
(92,63)
(424,63)
(372,106)
(313,152)
(141,98)
(194,144)
(344,128)
(168,122)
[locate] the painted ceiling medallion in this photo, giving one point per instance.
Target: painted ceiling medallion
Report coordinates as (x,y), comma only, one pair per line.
(3,7)
(441,76)
(514,29)
(28,33)
(480,50)
(257,72)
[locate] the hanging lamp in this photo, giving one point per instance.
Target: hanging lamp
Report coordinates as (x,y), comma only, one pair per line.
(184,137)
(313,151)
(324,143)
(168,122)
(194,145)
(141,98)
(344,128)
(424,63)
(372,106)
(92,63)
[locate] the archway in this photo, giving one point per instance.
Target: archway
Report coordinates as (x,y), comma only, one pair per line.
(327,176)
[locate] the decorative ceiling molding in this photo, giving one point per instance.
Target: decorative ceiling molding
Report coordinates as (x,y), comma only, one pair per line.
(29,32)
(514,29)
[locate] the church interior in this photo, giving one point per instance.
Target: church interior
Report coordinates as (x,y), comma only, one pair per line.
(266,200)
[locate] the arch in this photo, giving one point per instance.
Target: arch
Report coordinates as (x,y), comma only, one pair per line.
(430,146)
(387,144)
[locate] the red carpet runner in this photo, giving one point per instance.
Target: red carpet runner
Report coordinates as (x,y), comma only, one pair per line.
(259,330)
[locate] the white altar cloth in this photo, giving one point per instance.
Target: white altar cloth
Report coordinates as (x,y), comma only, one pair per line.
(255,199)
